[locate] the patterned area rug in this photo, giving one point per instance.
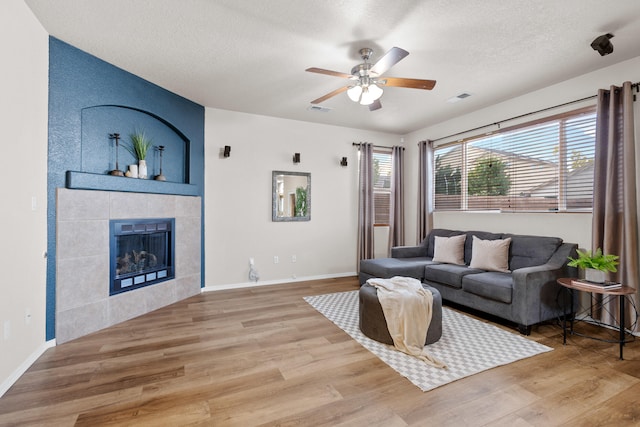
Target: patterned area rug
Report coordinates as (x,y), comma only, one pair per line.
(467,346)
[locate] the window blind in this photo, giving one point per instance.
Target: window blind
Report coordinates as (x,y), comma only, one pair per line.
(542,166)
(381,186)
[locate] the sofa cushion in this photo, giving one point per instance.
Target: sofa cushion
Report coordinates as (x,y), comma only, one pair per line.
(449,250)
(529,251)
(449,274)
(468,246)
(492,285)
(389,267)
(439,232)
(491,255)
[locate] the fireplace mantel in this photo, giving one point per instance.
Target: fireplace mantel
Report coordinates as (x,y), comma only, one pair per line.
(93,181)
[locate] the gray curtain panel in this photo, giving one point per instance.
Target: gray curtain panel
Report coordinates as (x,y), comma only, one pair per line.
(365,203)
(425,189)
(396,213)
(615,218)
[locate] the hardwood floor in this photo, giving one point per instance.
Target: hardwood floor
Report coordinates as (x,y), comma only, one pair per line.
(263,356)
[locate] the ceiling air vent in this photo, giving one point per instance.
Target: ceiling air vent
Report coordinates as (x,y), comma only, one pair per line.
(318,109)
(459,97)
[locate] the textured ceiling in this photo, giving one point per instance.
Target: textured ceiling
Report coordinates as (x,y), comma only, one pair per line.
(250,55)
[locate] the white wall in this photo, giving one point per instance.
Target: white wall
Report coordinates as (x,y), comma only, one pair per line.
(381,242)
(572,227)
(23,173)
(575,228)
(238,189)
(238,198)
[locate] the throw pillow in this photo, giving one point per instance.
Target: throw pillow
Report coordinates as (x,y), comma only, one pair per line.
(449,250)
(491,255)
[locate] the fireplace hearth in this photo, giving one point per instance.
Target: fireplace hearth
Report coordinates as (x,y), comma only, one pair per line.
(141,253)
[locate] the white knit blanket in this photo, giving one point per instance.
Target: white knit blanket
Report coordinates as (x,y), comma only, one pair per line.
(407,308)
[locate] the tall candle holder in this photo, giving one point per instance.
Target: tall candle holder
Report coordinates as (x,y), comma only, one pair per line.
(160,177)
(116,171)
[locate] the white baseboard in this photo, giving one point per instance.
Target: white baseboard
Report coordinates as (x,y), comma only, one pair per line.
(275,282)
(6,384)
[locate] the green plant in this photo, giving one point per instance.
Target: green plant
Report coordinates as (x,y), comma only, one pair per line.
(139,145)
(597,261)
(301,201)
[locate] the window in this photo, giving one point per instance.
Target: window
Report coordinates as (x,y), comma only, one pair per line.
(381,186)
(542,166)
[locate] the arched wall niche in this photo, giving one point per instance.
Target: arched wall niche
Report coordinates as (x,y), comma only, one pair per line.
(98,151)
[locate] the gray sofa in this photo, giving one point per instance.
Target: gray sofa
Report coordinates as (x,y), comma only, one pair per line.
(526,295)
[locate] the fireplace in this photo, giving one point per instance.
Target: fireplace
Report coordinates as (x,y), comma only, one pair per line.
(141,253)
(87,296)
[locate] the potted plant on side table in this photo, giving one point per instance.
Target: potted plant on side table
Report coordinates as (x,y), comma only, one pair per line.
(595,265)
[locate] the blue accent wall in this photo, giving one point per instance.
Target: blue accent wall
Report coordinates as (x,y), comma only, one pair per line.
(90,99)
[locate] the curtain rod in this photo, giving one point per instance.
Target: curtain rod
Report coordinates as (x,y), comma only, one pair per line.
(634,85)
(374,146)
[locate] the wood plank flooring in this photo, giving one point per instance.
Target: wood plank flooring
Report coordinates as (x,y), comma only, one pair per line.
(263,357)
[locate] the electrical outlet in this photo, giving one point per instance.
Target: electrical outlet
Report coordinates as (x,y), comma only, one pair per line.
(276,259)
(251,261)
(294,258)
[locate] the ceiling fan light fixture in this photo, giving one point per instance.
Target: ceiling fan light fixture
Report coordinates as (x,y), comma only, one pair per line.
(367,97)
(375,91)
(370,94)
(354,93)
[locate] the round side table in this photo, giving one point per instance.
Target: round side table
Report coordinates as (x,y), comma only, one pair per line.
(574,285)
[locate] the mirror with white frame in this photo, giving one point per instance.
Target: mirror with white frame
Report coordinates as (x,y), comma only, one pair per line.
(291,196)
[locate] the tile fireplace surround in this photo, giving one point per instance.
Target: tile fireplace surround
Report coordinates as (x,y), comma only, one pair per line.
(83,304)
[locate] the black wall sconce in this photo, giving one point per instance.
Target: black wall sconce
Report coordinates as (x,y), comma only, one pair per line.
(227,151)
(343,162)
(296,158)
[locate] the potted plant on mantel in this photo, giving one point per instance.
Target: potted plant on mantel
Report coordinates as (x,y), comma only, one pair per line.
(595,265)
(138,148)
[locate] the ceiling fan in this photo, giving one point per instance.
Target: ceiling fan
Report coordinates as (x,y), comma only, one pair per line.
(366,79)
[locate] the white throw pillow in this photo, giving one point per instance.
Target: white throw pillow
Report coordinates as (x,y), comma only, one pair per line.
(449,250)
(491,255)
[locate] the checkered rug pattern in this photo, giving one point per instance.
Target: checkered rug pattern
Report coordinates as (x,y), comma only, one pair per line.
(467,346)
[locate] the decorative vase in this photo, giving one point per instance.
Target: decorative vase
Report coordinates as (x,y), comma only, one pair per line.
(133,171)
(142,169)
(593,275)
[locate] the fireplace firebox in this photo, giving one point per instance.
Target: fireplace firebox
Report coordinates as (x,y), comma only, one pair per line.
(142,253)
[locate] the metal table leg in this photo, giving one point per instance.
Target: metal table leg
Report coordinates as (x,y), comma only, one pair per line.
(621,298)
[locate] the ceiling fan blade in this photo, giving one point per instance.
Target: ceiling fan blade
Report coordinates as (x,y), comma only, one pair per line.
(375,105)
(329,72)
(391,58)
(410,83)
(330,94)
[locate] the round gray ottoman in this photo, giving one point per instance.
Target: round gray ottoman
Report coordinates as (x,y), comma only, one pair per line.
(374,325)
